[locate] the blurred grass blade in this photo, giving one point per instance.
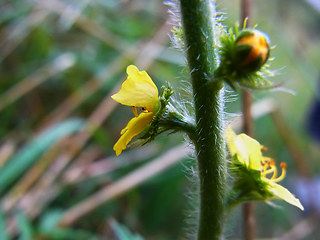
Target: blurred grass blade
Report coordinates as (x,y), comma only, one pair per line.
(17,32)
(24,226)
(84,23)
(123,233)
(32,151)
(71,12)
(3,227)
(129,181)
(58,65)
(6,151)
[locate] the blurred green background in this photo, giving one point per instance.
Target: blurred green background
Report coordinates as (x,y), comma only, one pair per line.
(61,60)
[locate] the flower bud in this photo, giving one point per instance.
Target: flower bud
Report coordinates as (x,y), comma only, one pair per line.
(251,51)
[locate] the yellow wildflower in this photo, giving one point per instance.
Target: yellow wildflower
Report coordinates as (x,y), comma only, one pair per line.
(138,90)
(248,152)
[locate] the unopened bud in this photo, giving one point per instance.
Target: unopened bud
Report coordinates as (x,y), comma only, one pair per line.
(251,51)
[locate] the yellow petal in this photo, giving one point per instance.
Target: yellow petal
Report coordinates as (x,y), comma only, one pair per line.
(251,149)
(137,90)
(248,150)
(135,126)
(230,137)
(283,193)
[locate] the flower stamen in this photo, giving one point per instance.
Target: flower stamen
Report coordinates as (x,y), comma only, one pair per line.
(134,110)
(269,168)
(283,173)
(266,160)
(275,171)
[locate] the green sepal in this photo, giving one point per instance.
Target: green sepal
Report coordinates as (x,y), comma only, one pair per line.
(241,52)
(157,108)
(152,130)
(243,33)
(247,185)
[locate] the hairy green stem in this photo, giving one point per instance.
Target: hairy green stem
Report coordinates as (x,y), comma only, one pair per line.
(198,24)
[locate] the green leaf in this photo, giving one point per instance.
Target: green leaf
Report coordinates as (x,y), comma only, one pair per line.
(68,234)
(34,149)
(50,220)
(49,227)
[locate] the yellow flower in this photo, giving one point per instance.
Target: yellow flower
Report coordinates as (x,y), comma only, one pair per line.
(138,90)
(248,152)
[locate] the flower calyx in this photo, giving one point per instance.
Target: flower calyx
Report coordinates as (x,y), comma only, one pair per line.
(161,111)
(256,176)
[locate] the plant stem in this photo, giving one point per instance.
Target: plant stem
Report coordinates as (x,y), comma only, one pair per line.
(198,23)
